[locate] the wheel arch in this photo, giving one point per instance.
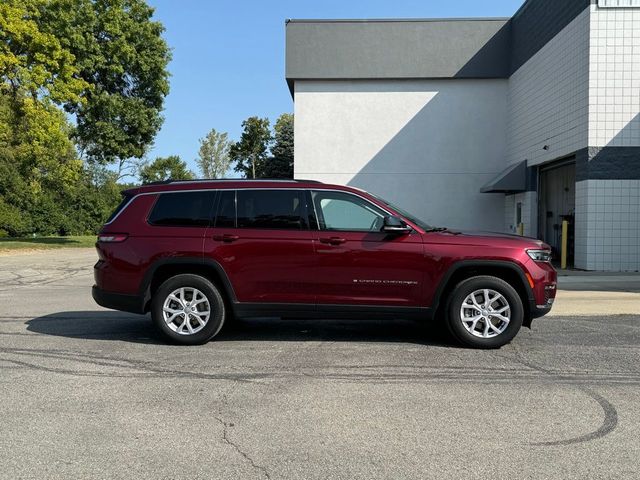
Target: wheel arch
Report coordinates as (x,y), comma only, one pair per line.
(505,270)
(166,268)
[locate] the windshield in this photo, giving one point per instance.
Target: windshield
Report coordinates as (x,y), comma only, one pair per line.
(409,216)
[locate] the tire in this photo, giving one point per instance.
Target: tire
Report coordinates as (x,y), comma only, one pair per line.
(482,329)
(184,293)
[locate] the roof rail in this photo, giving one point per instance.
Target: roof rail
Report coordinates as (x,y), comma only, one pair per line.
(165,182)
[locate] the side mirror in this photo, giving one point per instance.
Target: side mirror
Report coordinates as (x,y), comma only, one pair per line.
(395,225)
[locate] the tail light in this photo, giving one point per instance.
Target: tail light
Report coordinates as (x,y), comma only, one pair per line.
(112,237)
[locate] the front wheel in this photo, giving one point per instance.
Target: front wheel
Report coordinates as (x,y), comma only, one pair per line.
(188,309)
(484,312)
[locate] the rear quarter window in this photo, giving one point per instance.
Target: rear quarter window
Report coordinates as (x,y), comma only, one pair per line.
(182,209)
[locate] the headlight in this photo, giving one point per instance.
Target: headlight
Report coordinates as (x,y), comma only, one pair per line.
(540,255)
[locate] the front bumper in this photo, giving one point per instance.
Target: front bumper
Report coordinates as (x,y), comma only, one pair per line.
(545,281)
(541,310)
(118,301)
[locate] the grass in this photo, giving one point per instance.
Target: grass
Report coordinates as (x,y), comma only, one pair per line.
(38,243)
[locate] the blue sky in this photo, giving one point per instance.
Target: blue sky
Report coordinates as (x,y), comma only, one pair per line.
(228,57)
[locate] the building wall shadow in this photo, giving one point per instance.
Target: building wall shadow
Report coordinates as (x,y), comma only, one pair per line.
(435,165)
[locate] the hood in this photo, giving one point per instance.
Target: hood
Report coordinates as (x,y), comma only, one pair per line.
(491,238)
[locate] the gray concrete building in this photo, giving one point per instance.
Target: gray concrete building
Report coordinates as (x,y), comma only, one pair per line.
(483,123)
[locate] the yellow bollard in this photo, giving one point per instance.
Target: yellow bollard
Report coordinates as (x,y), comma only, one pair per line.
(521,229)
(563,253)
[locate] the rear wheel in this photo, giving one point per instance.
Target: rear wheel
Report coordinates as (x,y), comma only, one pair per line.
(188,309)
(484,312)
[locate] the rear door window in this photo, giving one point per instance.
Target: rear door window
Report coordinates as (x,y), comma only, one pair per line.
(272,209)
(183,209)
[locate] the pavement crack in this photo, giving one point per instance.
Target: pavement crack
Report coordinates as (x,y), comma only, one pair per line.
(225,437)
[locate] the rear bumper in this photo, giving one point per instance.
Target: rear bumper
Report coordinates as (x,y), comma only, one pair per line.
(118,301)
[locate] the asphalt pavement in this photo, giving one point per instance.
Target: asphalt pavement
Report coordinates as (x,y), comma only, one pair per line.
(92,393)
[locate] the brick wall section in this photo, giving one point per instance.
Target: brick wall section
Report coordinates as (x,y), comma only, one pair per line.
(537,22)
(608,172)
(608,163)
(614,78)
(549,98)
(608,225)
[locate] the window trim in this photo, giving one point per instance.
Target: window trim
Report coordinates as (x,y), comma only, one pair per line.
(305,189)
(122,206)
(214,215)
(126,205)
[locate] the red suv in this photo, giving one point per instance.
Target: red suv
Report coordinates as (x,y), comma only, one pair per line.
(196,253)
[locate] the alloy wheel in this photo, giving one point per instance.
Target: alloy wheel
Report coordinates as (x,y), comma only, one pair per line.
(186,310)
(485,313)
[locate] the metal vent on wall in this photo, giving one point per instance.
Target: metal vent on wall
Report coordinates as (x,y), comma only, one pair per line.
(619,3)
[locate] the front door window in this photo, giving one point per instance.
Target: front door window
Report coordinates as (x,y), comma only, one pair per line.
(342,212)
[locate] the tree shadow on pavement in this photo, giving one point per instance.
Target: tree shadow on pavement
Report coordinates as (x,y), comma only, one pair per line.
(118,326)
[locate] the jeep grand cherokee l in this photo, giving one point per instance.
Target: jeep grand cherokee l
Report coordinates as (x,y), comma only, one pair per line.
(196,253)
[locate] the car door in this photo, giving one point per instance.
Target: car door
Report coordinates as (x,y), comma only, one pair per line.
(358,264)
(262,240)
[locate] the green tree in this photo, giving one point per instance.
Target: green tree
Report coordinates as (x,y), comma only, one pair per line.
(36,73)
(250,153)
(213,156)
(121,58)
(93,202)
(33,61)
(280,164)
(14,196)
(104,62)
(39,168)
(165,168)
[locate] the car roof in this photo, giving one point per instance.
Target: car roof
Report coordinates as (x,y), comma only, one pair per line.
(217,184)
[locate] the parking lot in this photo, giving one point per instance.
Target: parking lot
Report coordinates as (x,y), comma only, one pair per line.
(92,393)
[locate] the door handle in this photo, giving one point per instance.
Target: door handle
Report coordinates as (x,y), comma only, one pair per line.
(227,238)
(333,240)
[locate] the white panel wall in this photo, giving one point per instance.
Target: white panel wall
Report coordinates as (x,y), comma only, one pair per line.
(426,145)
(614,78)
(549,98)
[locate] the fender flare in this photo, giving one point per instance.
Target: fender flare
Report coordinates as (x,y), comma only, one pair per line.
(456,266)
(145,286)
